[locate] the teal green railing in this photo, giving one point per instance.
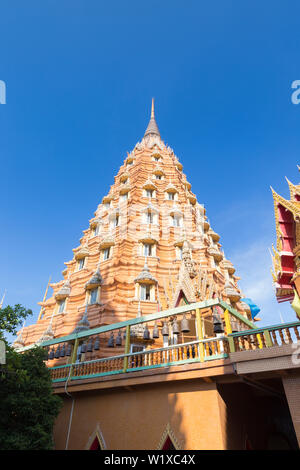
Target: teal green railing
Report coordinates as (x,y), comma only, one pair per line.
(266,337)
(214,348)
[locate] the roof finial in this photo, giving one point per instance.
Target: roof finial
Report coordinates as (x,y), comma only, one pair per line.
(152,128)
(152,109)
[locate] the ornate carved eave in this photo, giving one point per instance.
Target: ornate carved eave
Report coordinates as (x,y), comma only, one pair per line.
(81,252)
(106,242)
(145,276)
(215,236)
(149,184)
(95,281)
(64,291)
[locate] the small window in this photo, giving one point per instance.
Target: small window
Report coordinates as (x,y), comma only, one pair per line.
(116,221)
(124,197)
(81,263)
(145,291)
(106,253)
(148,249)
(179,252)
(96,230)
(171,196)
(61,306)
(136,348)
(93,296)
(176,221)
(149,192)
(149,217)
(158,177)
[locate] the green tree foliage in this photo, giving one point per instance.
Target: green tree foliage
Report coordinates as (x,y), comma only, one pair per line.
(28,407)
(11,318)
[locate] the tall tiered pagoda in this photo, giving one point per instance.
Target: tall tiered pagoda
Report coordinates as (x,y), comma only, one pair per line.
(149,247)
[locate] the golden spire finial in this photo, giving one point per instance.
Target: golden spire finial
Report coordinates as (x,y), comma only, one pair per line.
(152,126)
(152,108)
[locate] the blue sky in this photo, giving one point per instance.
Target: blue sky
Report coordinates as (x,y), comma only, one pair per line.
(80,77)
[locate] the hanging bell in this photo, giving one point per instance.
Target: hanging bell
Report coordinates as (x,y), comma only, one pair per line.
(165,329)
(175,328)
(119,339)
(218,327)
(146,333)
(83,348)
(57,352)
(111,341)
(185,325)
(97,344)
(63,351)
(69,350)
(217,322)
(90,346)
(51,354)
(155,333)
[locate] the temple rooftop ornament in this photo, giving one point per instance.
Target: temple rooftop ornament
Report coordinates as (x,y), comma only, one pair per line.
(64,291)
(171,188)
(137,331)
(229,266)
(95,281)
(107,241)
(81,252)
(150,207)
(48,333)
(83,324)
(175,210)
(145,276)
(188,260)
(231,292)
(152,128)
(215,236)
(19,342)
(149,184)
(95,222)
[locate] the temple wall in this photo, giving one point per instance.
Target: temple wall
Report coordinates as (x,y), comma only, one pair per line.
(137,418)
(292,390)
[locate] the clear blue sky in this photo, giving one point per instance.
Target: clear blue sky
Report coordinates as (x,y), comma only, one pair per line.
(80,76)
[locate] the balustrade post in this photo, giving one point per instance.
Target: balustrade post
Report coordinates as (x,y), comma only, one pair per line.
(229,331)
(74,355)
(268,339)
(200,334)
(260,343)
(127,348)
